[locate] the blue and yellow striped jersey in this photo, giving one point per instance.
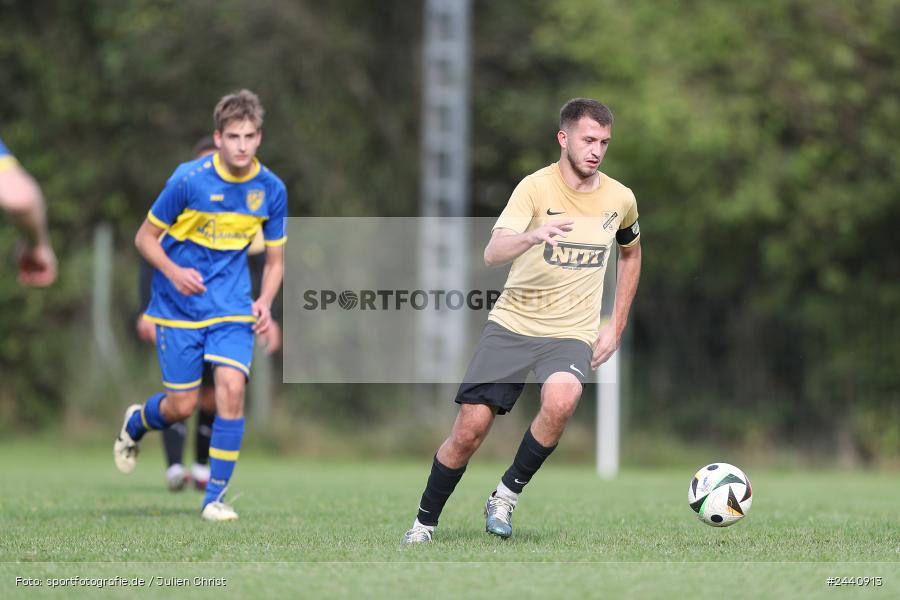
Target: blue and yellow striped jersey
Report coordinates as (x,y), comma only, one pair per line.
(210,218)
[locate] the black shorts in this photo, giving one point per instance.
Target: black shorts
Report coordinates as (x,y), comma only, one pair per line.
(503,359)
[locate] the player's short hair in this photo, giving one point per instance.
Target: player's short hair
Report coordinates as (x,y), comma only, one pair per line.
(238,106)
(204,145)
(577,108)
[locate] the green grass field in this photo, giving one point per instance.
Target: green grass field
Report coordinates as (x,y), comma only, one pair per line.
(315,529)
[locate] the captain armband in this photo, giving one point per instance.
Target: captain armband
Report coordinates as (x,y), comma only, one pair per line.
(627,235)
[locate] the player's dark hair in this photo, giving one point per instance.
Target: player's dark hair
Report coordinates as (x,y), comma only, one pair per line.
(577,108)
(238,106)
(204,145)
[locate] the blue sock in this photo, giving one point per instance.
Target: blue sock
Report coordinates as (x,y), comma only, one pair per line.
(224,447)
(147,418)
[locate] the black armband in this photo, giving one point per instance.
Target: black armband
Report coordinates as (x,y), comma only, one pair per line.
(628,234)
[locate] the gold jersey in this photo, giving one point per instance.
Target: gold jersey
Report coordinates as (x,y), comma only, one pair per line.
(556,291)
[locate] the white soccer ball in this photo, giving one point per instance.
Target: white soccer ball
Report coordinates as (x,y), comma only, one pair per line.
(720,494)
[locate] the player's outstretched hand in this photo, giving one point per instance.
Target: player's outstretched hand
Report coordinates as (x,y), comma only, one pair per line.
(604,346)
(549,231)
(187,281)
(37,265)
(263,314)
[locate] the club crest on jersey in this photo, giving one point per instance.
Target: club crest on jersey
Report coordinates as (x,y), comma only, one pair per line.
(609,220)
(255,199)
(575,256)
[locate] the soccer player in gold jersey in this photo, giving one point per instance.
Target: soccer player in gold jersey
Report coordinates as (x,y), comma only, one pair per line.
(557,230)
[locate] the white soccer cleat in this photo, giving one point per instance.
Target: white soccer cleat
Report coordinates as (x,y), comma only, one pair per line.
(498,516)
(418,534)
(218,511)
(176,477)
(200,475)
(125,450)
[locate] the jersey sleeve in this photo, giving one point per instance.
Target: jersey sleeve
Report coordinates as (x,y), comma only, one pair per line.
(630,232)
(274,230)
(171,202)
(7,160)
(520,209)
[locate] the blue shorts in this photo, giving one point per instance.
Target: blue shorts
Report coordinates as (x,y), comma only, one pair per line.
(182,352)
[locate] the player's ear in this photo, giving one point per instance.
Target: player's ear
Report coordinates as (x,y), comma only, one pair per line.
(217,138)
(562,138)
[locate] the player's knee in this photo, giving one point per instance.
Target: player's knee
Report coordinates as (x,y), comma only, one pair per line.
(182,405)
(467,440)
(230,384)
(561,403)
(561,387)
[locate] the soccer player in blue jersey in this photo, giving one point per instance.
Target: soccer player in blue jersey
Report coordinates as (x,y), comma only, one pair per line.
(174,437)
(177,476)
(20,197)
(201,299)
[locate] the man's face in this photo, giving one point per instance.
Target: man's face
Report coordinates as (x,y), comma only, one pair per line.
(585,144)
(237,144)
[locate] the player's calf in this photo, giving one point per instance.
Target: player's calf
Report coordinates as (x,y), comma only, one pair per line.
(224,450)
(441,482)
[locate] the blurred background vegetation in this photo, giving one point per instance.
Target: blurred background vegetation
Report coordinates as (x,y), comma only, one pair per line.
(759,138)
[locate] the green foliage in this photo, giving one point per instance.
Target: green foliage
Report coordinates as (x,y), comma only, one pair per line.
(101,101)
(759,139)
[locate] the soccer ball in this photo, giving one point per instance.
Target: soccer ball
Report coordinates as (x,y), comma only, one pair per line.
(720,494)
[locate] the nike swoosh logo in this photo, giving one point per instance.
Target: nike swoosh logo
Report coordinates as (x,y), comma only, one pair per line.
(427,512)
(551,213)
(574,368)
(520,482)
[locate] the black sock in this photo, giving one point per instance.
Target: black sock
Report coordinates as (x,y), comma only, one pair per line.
(529,458)
(173,442)
(204,433)
(441,484)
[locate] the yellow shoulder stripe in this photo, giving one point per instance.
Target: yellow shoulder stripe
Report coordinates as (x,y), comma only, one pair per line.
(156,221)
(8,161)
(278,242)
